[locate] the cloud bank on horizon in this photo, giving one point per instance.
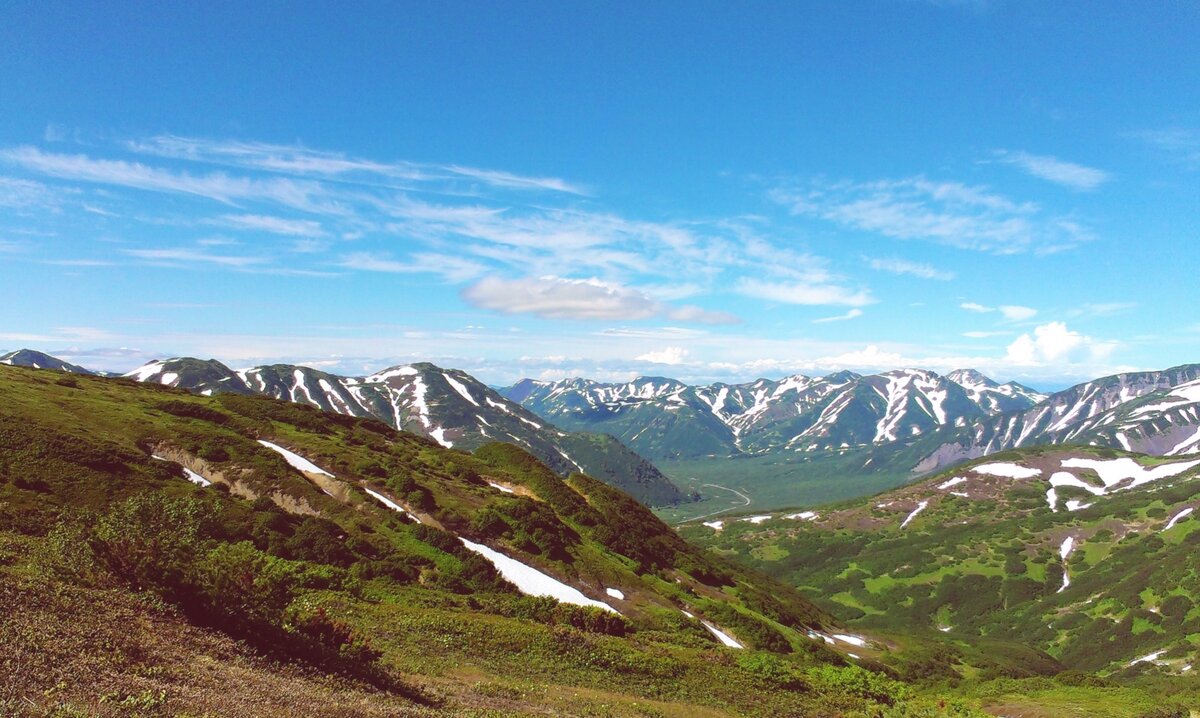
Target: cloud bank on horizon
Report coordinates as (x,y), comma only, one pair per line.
(1047,254)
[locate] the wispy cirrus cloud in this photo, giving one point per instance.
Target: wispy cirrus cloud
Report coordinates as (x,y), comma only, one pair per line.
(218,186)
(299,160)
(274,225)
(903,266)
(950,213)
(1010,312)
(1052,169)
(450,267)
(800,292)
(852,314)
(1179,143)
(184,256)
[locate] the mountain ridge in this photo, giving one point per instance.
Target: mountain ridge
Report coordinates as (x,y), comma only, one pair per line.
(837,411)
(447,405)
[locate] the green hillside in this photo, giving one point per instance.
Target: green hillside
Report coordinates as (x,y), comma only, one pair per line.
(130,590)
(1105,582)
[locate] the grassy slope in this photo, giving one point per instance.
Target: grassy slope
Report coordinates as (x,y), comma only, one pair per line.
(981,573)
(451,636)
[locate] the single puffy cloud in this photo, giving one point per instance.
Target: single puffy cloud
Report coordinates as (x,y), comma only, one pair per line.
(1016,313)
(671,355)
(553,297)
(1054,343)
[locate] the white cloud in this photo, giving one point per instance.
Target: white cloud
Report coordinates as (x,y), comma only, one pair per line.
(951,213)
(1016,313)
(20,194)
(554,297)
(1100,309)
(903,266)
(298,160)
(1182,144)
(191,256)
(852,314)
(1053,343)
(451,268)
(802,293)
(671,355)
(974,307)
(1055,170)
(983,335)
(220,187)
(275,225)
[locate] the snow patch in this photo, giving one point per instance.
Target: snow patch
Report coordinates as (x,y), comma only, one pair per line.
(714,525)
(920,507)
(803,516)
(1177,517)
(615,593)
(531,581)
(145,371)
(391,504)
(1114,471)
(460,388)
(757,519)
(952,482)
(853,640)
(195,478)
(439,435)
(722,636)
(295,460)
(499,487)
(1064,551)
(1007,470)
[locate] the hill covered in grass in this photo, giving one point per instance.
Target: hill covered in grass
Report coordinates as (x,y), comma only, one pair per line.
(1080,553)
(166,553)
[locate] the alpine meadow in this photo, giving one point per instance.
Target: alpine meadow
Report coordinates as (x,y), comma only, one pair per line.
(619,360)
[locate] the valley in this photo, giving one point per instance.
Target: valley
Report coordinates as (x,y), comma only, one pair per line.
(989,584)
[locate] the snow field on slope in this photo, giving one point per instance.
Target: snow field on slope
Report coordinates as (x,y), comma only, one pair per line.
(531,581)
(920,507)
(1114,471)
(722,636)
(391,504)
(295,460)
(1007,470)
(460,388)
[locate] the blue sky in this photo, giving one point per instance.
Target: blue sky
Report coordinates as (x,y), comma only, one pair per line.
(691,189)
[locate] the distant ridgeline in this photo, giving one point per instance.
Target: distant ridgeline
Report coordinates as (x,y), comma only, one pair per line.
(905,421)
(446,405)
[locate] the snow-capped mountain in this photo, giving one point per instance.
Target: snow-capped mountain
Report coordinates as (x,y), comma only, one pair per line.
(38,360)
(447,405)
(666,419)
(1155,412)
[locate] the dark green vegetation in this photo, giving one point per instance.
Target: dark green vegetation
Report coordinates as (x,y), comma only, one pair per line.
(128,590)
(981,575)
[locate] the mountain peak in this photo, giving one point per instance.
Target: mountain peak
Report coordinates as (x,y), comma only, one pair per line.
(40,360)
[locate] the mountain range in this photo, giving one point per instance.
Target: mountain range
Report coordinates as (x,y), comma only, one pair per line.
(664,419)
(895,425)
(447,405)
